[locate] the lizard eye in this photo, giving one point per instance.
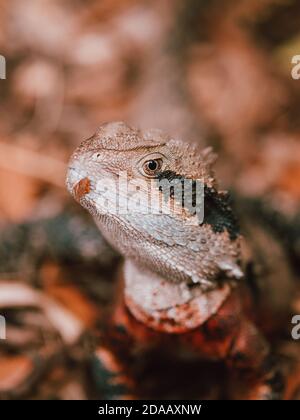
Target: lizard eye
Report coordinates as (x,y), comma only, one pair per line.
(152,164)
(152,167)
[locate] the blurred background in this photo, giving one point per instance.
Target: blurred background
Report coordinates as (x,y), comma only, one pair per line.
(216,72)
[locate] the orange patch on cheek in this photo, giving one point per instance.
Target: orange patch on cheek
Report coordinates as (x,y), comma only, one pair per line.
(82,188)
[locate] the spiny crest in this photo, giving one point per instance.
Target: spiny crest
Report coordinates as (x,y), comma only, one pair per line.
(192,162)
(209,159)
(185,158)
(121,137)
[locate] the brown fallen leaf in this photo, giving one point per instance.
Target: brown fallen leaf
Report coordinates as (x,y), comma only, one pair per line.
(17,194)
(69,295)
(289,180)
(73,299)
(13,294)
(14,372)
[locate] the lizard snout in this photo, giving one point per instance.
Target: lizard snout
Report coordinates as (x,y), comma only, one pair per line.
(78,183)
(82,188)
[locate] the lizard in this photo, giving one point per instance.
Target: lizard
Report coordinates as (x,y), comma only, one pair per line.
(187,278)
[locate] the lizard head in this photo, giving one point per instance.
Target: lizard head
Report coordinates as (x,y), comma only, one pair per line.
(117,175)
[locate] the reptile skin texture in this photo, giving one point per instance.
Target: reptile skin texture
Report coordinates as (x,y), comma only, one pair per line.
(185,276)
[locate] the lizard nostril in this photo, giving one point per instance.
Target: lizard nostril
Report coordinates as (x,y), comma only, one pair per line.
(82,188)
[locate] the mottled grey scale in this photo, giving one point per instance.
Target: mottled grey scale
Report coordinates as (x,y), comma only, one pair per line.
(162,227)
(217,209)
(182,241)
(207,259)
(194,247)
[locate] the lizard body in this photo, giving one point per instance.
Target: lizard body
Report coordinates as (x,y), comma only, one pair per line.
(183,275)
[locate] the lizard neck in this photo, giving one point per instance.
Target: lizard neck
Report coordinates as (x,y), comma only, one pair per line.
(168,306)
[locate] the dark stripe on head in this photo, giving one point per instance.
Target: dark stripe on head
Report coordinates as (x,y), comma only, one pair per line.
(218,212)
(217,207)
